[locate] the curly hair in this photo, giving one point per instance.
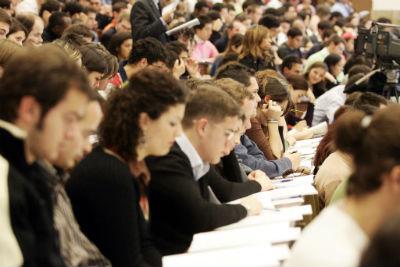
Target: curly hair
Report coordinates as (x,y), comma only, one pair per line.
(149,91)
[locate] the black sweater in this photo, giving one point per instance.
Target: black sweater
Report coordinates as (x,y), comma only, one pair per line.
(31,206)
(180,206)
(105,200)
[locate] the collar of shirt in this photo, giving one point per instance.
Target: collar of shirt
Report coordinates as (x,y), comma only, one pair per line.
(199,167)
(13,129)
(197,40)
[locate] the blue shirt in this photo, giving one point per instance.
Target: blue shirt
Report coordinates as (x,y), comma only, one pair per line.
(250,155)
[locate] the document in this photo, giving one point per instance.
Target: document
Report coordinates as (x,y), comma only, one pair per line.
(267,216)
(187,25)
(258,255)
(170,7)
(271,233)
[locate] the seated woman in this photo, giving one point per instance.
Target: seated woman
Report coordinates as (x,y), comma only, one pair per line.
(301,96)
(315,76)
(235,45)
(107,189)
(265,129)
(256,49)
(334,76)
(338,236)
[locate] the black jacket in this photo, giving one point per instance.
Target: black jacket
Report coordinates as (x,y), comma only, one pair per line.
(31,206)
(180,206)
(257,64)
(146,22)
(105,200)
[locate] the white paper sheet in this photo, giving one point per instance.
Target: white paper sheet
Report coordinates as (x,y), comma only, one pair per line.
(248,256)
(271,233)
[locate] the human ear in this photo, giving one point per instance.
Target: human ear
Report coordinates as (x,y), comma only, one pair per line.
(394,178)
(144,121)
(201,126)
(28,111)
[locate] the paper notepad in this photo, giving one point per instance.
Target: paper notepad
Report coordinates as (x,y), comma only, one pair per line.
(254,256)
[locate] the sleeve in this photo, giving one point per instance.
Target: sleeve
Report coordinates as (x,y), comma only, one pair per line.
(272,168)
(214,51)
(227,191)
(174,191)
(142,24)
(230,168)
(110,214)
(256,134)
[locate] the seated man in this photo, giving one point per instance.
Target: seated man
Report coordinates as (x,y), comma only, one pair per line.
(247,151)
(144,53)
(179,190)
(204,50)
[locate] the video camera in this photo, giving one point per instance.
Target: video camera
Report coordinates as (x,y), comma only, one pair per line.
(381,44)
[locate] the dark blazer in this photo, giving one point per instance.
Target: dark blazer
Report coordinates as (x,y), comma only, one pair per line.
(31,206)
(105,200)
(257,64)
(146,22)
(180,206)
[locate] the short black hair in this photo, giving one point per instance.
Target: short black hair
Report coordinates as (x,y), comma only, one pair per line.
(51,6)
(57,19)
(219,6)
(177,47)
(237,72)
(204,19)
(149,48)
(331,60)
(5,4)
(294,32)
(214,15)
(200,4)
(289,61)
(270,21)
(73,8)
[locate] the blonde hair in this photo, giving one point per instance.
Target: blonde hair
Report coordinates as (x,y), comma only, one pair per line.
(252,41)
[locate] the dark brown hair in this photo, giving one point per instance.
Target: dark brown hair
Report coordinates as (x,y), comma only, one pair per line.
(375,146)
(46,74)
(298,82)
(236,71)
(149,91)
(96,57)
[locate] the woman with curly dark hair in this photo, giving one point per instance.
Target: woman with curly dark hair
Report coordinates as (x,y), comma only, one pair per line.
(107,189)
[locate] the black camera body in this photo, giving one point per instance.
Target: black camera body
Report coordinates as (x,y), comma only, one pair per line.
(382,46)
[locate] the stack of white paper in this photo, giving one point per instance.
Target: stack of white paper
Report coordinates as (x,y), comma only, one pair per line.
(271,233)
(266,217)
(249,256)
(288,192)
(294,181)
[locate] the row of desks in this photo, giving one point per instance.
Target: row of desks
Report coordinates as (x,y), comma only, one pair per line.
(263,240)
